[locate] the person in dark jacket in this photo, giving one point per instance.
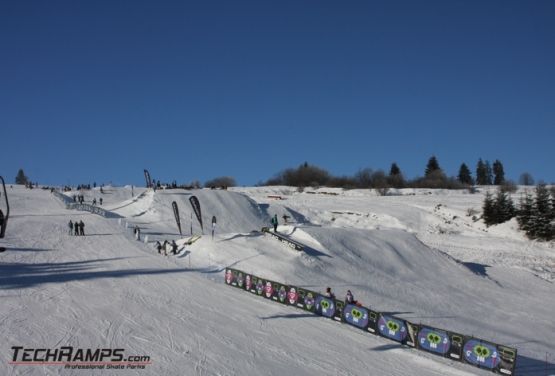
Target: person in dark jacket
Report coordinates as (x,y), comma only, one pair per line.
(329,293)
(349,298)
(82,228)
(275,222)
(70,224)
(76,228)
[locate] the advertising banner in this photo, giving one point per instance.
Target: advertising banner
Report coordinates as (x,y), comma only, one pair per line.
(176,215)
(392,328)
(196,208)
(148,180)
(325,306)
(356,316)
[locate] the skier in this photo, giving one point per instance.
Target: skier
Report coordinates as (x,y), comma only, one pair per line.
(159,247)
(329,293)
(349,298)
(275,222)
(82,227)
(70,227)
(174,247)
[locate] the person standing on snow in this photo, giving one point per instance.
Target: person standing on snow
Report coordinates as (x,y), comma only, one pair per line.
(275,222)
(70,224)
(329,293)
(82,228)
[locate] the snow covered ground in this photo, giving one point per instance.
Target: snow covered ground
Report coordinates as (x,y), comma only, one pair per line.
(417,254)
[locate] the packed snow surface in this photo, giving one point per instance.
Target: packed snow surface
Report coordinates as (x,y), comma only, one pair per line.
(423,255)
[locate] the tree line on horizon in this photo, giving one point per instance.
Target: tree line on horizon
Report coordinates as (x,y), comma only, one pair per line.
(307,175)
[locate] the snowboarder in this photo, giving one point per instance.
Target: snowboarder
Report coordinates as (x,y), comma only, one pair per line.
(285,218)
(275,222)
(329,293)
(70,224)
(94,201)
(82,228)
(159,247)
(165,247)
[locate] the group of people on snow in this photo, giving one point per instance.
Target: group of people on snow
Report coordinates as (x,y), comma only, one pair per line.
(164,247)
(81,199)
(76,228)
(349,298)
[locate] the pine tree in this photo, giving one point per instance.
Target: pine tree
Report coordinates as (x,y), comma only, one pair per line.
(395,170)
(21,178)
(541,226)
(489,174)
(489,213)
(432,166)
(481,173)
(498,172)
(395,178)
(525,212)
(504,207)
(464,175)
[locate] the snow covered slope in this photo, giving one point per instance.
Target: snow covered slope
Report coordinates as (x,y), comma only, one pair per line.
(108,290)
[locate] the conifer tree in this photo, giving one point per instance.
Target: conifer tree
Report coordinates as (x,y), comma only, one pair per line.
(525,212)
(395,170)
(504,207)
(542,216)
(488,209)
(395,178)
(489,174)
(498,172)
(432,166)
(464,175)
(21,178)
(481,173)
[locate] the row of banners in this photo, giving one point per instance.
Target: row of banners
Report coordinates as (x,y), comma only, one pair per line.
(471,350)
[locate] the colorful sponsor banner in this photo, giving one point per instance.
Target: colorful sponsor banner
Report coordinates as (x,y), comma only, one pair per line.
(356,316)
(325,306)
(434,340)
(392,328)
(481,354)
(292,296)
(507,358)
(307,299)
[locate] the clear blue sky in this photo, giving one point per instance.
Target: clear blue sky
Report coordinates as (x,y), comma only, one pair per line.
(99,90)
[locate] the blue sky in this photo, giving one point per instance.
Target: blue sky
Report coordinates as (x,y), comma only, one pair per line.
(99,90)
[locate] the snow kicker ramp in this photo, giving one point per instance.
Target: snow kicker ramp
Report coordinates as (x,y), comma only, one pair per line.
(234,212)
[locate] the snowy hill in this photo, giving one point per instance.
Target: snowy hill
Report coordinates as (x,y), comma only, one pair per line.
(416,254)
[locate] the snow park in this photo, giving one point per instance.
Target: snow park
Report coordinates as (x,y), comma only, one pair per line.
(196,282)
(240,188)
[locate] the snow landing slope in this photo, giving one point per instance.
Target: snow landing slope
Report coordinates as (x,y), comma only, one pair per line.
(108,290)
